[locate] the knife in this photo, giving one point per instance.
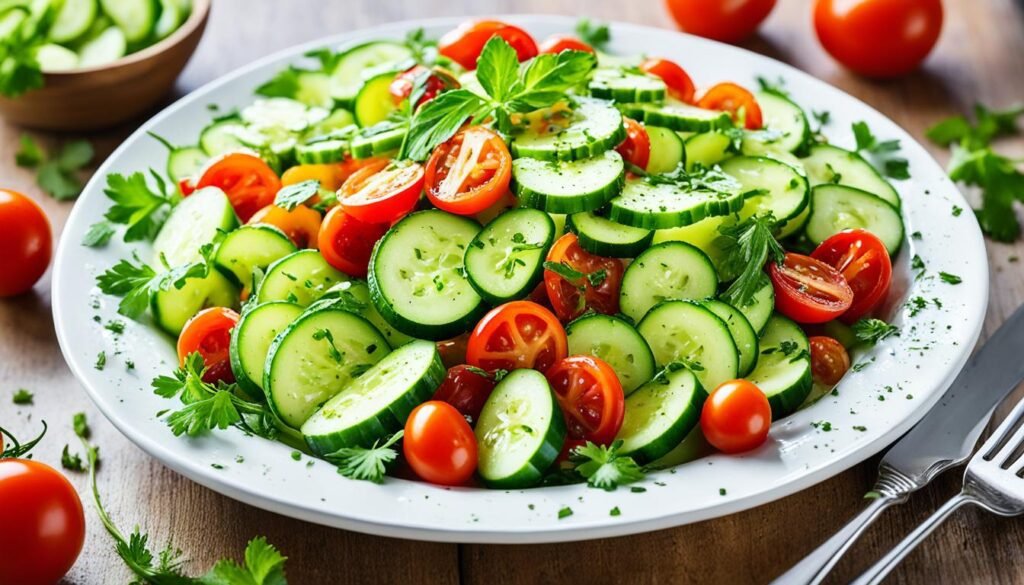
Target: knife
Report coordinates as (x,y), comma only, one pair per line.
(943,439)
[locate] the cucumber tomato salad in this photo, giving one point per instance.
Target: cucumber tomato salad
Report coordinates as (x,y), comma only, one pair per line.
(485,261)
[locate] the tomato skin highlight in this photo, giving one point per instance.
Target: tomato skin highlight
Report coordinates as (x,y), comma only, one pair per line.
(465,43)
(636,148)
(467,184)
(247,181)
(43,523)
(466,389)
(864,262)
(878,38)
(346,243)
(728,21)
(519,334)
(729,97)
(736,417)
(567,299)
(26,243)
(439,445)
(829,360)
(555,44)
(678,81)
(301,225)
(808,290)
(382,191)
(590,397)
(209,333)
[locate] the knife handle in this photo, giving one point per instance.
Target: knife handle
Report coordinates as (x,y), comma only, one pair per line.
(816,566)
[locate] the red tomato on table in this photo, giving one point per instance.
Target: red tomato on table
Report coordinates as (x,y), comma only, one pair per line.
(808,290)
(730,21)
(519,334)
(25,243)
(209,333)
(590,396)
(465,43)
(736,417)
(865,264)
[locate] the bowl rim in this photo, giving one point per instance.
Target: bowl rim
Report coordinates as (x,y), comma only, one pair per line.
(197,16)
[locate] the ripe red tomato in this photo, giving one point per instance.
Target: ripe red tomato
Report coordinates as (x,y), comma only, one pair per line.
(248,182)
(437,80)
(590,396)
(829,360)
(597,290)
(520,334)
(25,243)
(209,333)
(636,148)
(678,81)
(466,388)
(346,243)
(557,43)
(808,290)
(43,523)
(740,103)
(729,21)
(470,172)
(301,224)
(439,445)
(865,264)
(878,38)
(465,43)
(382,191)
(736,417)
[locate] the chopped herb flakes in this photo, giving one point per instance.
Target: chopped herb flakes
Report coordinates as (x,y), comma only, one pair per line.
(564,512)
(22,397)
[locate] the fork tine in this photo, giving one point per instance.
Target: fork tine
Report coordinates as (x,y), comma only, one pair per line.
(997,444)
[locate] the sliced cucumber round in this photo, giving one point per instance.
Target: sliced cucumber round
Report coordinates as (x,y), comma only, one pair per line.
(694,446)
(248,248)
(785,124)
(777,187)
(568,186)
(338,119)
(356,62)
(837,207)
(278,115)
(615,341)
(520,431)
(667,271)
(73,20)
(135,18)
(649,205)
(761,306)
(221,136)
(783,370)
(596,127)
(626,86)
(373,103)
(685,331)
(301,277)
(53,57)
(827,164)
(185,162)
(742,333)
(667,150)
(360,292)
(173,308)
(322,152)
(107,47)
(661,413)
(365,145)
(601,236)
(195,221)
(251,339)
(505,260)
(706,149)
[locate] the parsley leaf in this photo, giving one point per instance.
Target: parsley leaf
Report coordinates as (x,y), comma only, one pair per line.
(871,331)
(26,29)
(777,86)
(137,283)
(594,33)
(950,278)
(29,153)
(366,464)
(80,425)
(22,397)
(264,565)
(603,467)
(69,461)
(990,124)
(57,176)
(291,196)
(137,206)
(98,234)
(439,119)
(748,246)
(867,142)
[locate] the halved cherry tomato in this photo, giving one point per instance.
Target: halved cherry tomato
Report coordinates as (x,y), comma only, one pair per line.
(439,444)
(808,290)
(435,81)
(590,396)
(864,262)
(829,360)
(636,148)
(466,388)
(740,103)
(383,191)
(555,44)
(597,289)
(209,333)
(516,335)
(453,351)
(187,186)
(43,525)
(678,81)
(302,224)
(730,21)
(736,417)
(330,176)
(465,43)
(346,243)
(470,172)
(25,243)
(248,182)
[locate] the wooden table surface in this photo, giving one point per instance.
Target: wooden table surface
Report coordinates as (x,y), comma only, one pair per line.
(978,59)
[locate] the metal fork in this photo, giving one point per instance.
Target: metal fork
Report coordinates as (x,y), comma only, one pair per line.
(993,481)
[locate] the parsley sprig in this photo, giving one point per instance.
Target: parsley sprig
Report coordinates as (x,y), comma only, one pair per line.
(747,247)
(603,467)
(871,331)
(56,174)
(594,33)
(883,151)
(20,70)
(366,464)
(136,282)
(139,208)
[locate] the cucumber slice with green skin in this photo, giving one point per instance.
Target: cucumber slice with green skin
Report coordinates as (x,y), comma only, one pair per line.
(661,413)
(667,271)
(106,48)
(248,248)
(604,237)
(596,127)
(322,152)
(365,146)
(658,206)
(761,306)
(625,86)
(185,162)
(505,261)
(376,404)
(615,341)
(827,164)
(251,339)
(171,17)
(373,103)
(195,221)
(221,136)
(568,186)
(785,191)
(706,149)
(360,291)
(742,333)
(786,123)
(417,276)
(704,234)
(136,18)
(667,150)
(351,66)
(520,431)
(73,20)
(693,447)
(53,58)
(338,119)
(678,116)
(173,308)
(835,208)
(314,358)
(784,376)
(685,331)
(301,278)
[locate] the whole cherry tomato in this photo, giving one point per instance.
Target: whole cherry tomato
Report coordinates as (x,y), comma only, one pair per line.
(730,21)
(25,243)
(465,43)
(439,445)
(209,333)
(736,417)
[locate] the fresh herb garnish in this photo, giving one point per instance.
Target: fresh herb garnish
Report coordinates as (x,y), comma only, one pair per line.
(366,464)
(22,397)
(71,461)
(564,512)
(950,278)
(883,151)
(871,331)
(294,195)
(59,175)
(137,282)
(603,467)
(748,246)
(594,33)
(140,209)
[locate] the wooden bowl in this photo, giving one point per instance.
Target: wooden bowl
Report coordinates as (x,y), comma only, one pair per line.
(92,98)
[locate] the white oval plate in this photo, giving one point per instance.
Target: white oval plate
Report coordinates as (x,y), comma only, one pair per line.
(903,378)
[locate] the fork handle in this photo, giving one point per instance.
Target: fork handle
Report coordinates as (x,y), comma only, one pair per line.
(816,566)
(887,563)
